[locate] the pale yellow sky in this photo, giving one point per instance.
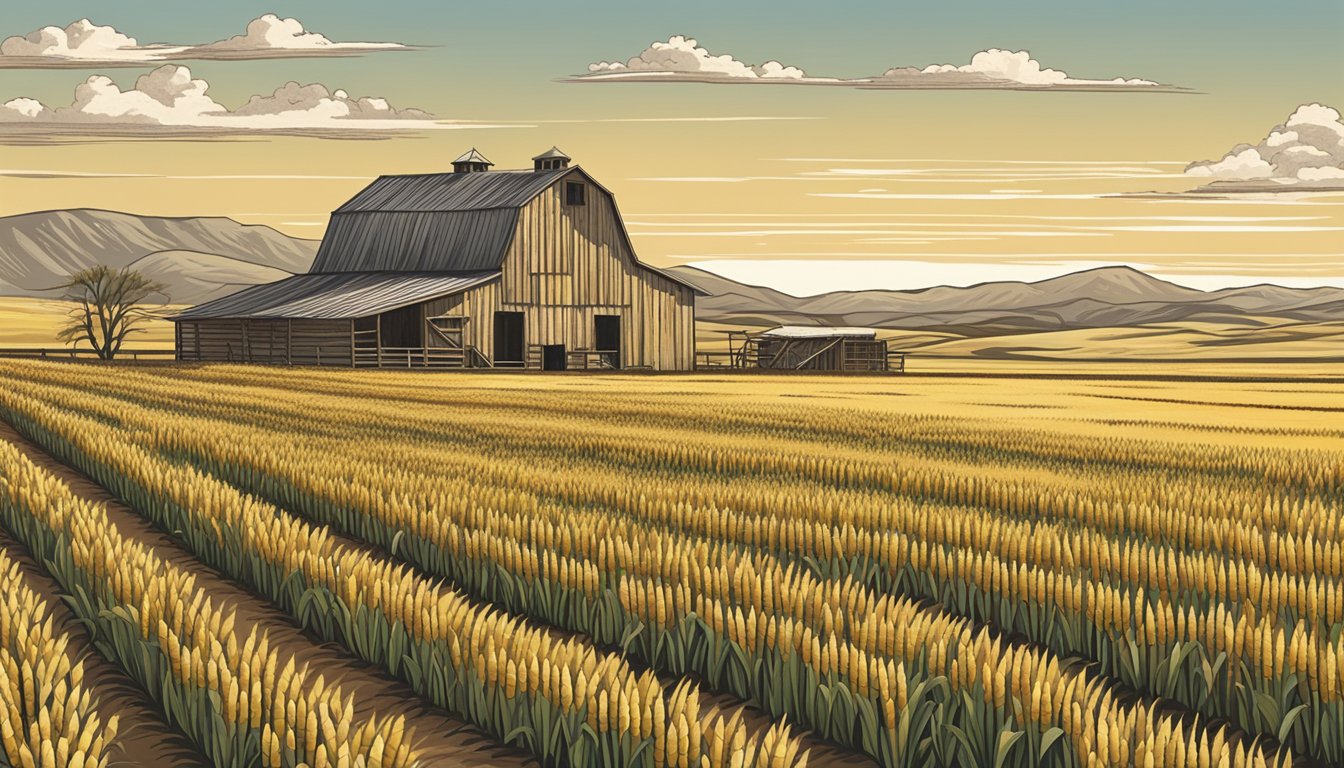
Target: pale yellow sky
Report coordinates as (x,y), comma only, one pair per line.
(862,189)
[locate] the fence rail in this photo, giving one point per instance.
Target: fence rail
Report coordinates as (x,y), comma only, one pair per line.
(67,353)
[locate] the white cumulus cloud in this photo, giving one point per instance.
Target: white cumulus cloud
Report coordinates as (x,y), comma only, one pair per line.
(682,59)
(269,34)
(170,98)
(997,68)
(1307,149)
(81,41)
(84,42)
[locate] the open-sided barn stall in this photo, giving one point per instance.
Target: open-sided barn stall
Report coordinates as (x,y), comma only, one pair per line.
(530,269)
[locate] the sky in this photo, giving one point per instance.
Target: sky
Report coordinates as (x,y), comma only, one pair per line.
(803,187)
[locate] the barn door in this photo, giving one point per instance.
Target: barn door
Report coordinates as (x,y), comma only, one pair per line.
(509,339)
(607,339)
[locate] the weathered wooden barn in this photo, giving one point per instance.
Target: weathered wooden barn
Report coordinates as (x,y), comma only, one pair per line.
(470,269)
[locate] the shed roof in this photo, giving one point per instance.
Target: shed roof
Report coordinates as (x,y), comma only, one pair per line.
(337,296)
(451,192)
(819,332)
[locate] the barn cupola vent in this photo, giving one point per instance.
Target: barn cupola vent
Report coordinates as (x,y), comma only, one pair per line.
(471,162)
(550,160)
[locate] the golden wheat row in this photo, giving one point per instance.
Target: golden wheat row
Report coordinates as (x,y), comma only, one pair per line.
(501,651)
(969,674)
(1011,558)
(259,687)
(50,718)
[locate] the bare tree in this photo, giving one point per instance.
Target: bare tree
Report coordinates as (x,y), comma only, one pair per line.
(109,306)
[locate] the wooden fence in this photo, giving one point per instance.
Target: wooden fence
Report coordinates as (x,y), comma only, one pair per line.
(67,353)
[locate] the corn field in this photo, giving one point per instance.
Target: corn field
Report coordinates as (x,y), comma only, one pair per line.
(621,571)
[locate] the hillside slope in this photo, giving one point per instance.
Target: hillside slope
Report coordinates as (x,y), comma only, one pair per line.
(1095,298)
(196,257)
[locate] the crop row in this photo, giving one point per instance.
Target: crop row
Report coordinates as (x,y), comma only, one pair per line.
(824,644)
(562,699)
(1174,626)
(242,703)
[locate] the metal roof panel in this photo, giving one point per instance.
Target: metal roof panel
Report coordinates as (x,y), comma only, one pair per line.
(337,296)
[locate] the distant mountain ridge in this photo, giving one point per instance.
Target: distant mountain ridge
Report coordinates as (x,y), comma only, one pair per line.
(197,258)
(1093,298)
(202,258)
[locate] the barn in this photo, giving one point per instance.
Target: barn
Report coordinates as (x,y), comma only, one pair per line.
(475,268)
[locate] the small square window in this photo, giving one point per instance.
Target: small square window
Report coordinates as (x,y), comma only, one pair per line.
(575,192)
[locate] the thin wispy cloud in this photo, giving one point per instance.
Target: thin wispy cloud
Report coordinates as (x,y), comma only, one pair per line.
(168,101)
(83,42)
(681,59)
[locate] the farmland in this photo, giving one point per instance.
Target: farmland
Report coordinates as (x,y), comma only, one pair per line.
(375,568)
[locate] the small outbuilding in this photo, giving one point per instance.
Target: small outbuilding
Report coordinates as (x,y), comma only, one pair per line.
(817,348)
(470,269)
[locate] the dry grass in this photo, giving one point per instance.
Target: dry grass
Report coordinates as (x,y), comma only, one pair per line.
(26,322)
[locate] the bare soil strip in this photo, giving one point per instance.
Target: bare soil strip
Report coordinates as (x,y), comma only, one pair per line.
(441,739)
(143,737)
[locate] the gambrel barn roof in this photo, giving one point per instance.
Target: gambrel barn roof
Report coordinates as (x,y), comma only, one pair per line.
(437,222)
(419,236)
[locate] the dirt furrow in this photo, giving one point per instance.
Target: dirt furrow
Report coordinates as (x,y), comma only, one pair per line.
(441,739)
(143,737)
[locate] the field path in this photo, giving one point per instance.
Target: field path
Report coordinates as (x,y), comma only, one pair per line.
(441,739)
(143,737)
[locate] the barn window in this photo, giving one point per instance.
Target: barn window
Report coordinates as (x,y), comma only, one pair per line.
(575,192)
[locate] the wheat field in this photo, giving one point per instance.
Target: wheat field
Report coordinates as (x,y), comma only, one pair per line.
(704,570)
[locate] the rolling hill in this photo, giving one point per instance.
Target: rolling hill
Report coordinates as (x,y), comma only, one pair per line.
(197,258)
(1096,312)
(1105,297)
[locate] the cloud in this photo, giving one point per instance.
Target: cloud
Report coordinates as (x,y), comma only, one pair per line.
(84,42)
(170,98)
(1306,150)
(270,35)
(680,59)
(1000,69)
(80,42)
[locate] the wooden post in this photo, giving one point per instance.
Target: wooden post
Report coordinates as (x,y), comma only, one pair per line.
(378,337)
(177,341)
(289,341)
(352,342)
(319,355)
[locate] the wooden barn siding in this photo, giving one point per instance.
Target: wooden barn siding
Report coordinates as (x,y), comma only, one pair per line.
(265,341)
(568,264)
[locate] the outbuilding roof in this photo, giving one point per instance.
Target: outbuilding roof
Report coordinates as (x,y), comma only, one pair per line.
(337,296)
(819,332)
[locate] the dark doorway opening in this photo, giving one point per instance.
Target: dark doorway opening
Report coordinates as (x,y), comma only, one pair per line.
(607,338)
(509,338)
(402,328)
(553,357)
